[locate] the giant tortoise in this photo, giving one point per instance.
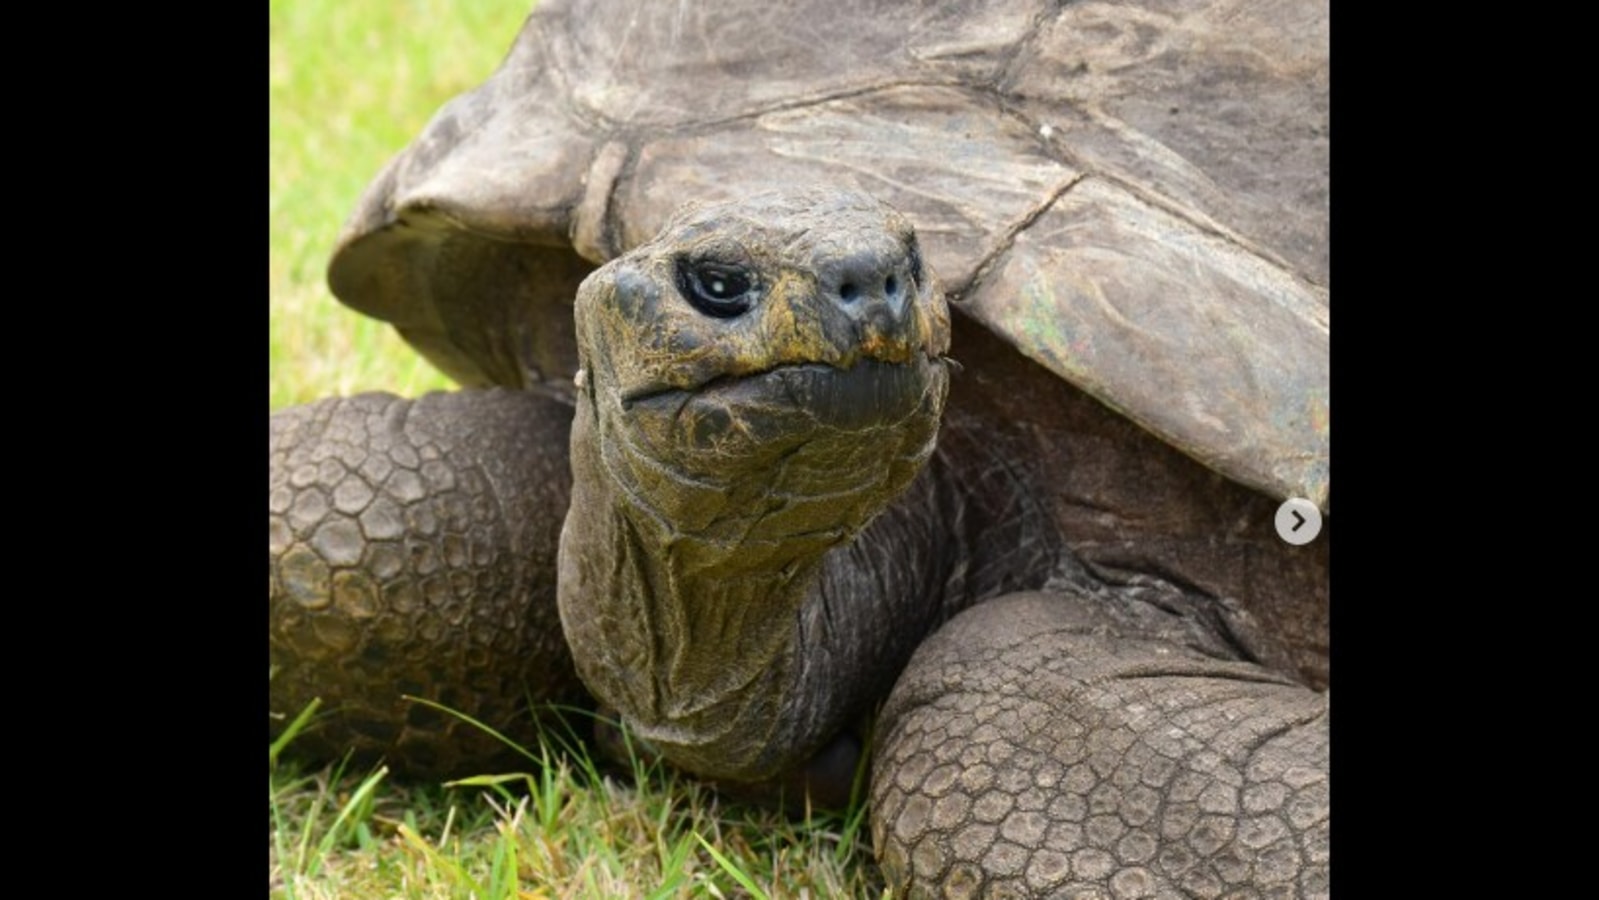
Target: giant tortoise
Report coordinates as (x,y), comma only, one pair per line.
(776,496)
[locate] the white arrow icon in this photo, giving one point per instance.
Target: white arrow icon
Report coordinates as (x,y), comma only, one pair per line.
(1298,521)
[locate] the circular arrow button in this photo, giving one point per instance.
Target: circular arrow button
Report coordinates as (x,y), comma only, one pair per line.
(1298,521)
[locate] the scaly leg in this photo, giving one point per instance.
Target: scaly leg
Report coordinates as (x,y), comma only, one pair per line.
(1046,745)
(412,552)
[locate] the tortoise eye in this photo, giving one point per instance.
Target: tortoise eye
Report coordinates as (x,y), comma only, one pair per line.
(716,289)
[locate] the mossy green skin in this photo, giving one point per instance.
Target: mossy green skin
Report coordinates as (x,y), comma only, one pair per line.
(719,457)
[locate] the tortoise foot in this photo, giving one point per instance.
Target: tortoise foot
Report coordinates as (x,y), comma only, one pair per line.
(1038,747)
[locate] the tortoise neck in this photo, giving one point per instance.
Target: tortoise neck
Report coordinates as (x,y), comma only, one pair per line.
(701,644)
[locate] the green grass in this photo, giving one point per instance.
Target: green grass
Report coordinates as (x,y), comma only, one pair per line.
(563,828)
(351,84)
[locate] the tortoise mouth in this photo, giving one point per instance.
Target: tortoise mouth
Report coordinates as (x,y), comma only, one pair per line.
(870,394)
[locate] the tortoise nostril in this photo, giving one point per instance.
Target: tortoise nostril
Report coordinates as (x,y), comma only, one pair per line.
(848,291)
(891,286)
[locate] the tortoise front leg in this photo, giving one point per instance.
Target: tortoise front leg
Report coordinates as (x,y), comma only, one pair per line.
(1047,745)
(412,551)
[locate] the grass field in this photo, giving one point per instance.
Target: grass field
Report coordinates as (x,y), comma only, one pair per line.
(350,84)
(563,828)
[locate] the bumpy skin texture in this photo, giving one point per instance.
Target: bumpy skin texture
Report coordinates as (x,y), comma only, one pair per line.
(1044,745)
(412,548)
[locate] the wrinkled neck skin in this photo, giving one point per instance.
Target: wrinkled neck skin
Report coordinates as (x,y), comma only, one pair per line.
(736,633)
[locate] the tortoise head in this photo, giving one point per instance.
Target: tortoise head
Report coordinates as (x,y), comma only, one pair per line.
(758,382)
(765,369)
